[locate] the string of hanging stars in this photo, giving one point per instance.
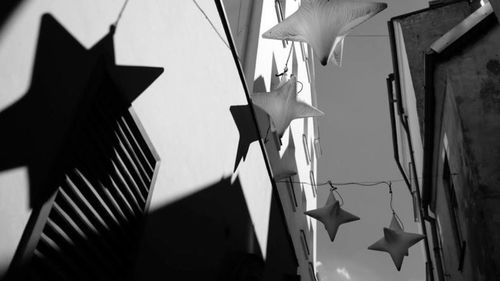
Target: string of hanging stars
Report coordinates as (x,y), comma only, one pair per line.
(395,240)
(332,17)
(334,186)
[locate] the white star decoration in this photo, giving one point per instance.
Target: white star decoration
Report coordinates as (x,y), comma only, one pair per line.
(396,242)
(282,106)
(332,216)
(323,24)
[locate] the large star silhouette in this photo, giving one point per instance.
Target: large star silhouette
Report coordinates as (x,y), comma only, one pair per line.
(332,216)
(323,24)
(282,105)
(242,115)
(396,242)
(66,78)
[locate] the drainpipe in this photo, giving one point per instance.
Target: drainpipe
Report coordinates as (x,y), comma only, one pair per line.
(390,90)
(423,212)
(423,215)
(430,57)
(428,150)
(437,253)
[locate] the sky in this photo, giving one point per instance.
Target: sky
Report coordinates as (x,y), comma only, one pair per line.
(357,146)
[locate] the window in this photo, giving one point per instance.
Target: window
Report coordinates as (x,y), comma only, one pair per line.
(313,182)
(451,198)
(306,148)
(280,6)
(305,247)
(291,193)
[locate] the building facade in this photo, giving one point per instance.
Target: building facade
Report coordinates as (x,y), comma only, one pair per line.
(444,130)
(134,152)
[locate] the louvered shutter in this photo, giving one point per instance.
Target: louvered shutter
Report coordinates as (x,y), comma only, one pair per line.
(91,226)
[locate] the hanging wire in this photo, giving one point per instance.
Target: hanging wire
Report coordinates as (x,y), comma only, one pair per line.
(120,14)
(392,208)
(301,86)
(334,188)
(213,26)
(367,35)
(285,69)
(340,196)
(364,183)
(358,183)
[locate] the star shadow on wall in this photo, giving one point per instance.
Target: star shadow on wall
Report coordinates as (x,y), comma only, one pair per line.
(247,128)
(285,166)
(66,77)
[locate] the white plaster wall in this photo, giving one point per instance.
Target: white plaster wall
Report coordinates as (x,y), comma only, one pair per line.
(185,111)
(266,48)
(410,102)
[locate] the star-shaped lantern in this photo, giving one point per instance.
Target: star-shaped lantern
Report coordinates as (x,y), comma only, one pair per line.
(323,24)
(332,216)
(396,242)
(67,77)
(282,106)
(286,166)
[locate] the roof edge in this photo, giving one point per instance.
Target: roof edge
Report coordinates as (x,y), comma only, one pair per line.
(462,28)
(436,6)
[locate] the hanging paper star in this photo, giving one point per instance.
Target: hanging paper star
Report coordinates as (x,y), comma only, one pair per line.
(323,24)
(396,242)
(66,77)
(282,106)
(332,216)
(286,166)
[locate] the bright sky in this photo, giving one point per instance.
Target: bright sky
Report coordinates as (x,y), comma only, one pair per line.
(357,146)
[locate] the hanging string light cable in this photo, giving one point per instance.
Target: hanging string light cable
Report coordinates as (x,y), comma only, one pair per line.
(301,86)
(389,184)
(334,187)
(359,183)
(285,69)
(115,24)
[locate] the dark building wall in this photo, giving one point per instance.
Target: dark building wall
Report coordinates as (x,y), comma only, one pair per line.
(449,145)
(467,103)
(420,31)
(466,138)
